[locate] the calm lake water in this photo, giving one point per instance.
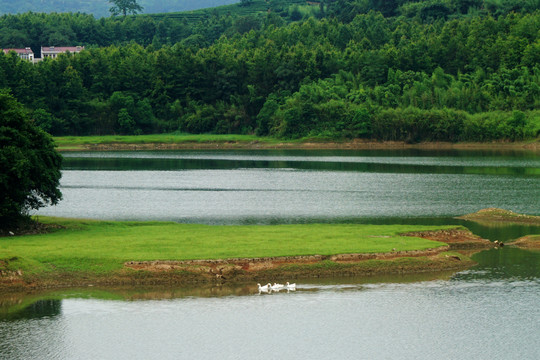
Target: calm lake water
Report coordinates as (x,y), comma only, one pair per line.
(268,187)
(491,311)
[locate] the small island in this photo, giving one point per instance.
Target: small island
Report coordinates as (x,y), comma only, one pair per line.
(494,215)
(61,252)
(78,252)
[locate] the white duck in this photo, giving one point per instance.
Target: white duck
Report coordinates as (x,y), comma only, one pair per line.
(291,286)
(264,288)
(277,287)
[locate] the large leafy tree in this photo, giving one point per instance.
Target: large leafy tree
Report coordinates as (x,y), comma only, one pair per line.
(124,7)
(29,164)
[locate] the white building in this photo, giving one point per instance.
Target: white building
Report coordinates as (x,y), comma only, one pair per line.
(53,51)
(26,53)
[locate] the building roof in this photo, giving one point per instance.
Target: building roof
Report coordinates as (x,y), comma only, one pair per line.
(20,51)
(61,49)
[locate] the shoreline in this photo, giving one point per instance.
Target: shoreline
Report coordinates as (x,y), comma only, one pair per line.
(165,274)
(357,144)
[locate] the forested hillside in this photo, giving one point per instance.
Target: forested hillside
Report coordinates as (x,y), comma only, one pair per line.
(100,8)
(200,27)
(417,71)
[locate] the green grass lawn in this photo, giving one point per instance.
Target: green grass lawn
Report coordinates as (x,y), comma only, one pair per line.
(75,142)
(103,246)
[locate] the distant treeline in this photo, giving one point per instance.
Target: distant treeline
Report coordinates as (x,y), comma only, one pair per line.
(100,8)
(203,27)
(473,77)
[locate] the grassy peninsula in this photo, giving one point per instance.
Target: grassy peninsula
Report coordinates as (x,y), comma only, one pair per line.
(75,252)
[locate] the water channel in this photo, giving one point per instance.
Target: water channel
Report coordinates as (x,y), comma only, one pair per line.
(491,311)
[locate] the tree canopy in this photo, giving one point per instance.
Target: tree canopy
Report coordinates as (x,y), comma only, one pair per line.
(29,164)
(125,7)
(411,70)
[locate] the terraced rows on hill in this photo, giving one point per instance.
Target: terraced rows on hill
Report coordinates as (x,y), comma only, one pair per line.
(257,7)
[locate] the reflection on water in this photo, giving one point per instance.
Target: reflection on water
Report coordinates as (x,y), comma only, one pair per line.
(362,160)
(271,187)
(417,162)
(36,310)
(508,263)
(46,304)
(425,315)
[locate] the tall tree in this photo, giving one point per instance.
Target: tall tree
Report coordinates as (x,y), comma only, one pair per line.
(29,164)
(125,7)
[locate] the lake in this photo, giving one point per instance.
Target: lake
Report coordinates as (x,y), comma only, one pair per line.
(270,187)
(491,311)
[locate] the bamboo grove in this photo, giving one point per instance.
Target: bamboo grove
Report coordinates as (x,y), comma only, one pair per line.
(460,77)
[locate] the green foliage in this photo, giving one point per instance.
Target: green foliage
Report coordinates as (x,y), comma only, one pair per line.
(43,119)
(412,71)
(124,7)
(414,125)
(321,110)
(30,166)
(246,2)
(500,125)
(125,122)
(264,118)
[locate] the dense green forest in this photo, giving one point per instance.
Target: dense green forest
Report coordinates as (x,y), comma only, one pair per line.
(432,70)
(100,8)
(200,28)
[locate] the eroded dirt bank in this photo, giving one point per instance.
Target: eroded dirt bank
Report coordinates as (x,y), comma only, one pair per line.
(457,239)
(252,267)
(531,242)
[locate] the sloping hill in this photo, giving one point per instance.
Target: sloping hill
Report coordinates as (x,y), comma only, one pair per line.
(256,7)
(100,8)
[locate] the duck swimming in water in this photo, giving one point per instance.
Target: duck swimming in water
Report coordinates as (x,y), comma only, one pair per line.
(277,287)
(264,288)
